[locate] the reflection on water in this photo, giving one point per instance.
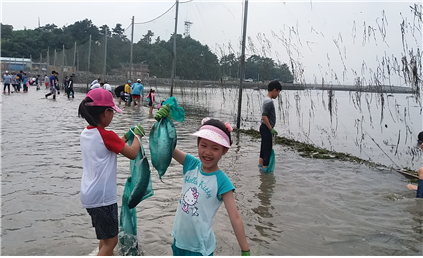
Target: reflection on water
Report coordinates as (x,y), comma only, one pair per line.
(267,183)
(306,207)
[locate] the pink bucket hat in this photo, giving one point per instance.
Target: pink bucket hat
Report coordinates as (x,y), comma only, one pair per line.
(102,98)
(213,134)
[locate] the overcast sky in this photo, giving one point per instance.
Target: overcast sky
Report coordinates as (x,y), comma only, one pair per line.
(335,40)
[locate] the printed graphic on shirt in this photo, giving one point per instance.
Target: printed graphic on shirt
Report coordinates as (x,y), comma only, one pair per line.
(188,201)
(203,186)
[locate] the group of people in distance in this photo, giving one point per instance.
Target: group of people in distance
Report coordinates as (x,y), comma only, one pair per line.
(20,80)
(128,92)
(53,85)
(17,81)
(98,84)
(134,92)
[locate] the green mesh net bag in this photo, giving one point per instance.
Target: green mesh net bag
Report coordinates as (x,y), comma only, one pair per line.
(142,187)
(163,138)
(272,160)
(138,187)
(162,141)
(271,165)
(177,113)
(128,241)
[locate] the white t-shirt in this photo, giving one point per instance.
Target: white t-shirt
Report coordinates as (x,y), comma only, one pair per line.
(107,87)
(93,82)
(99,149)
(96,85)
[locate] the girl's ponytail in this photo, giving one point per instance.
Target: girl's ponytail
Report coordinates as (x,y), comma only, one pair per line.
(90,113)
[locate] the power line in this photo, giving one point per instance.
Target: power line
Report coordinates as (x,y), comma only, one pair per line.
(128,27)
(158,16)
(162,14)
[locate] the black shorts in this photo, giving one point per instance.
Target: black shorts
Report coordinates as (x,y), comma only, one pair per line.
(105,221)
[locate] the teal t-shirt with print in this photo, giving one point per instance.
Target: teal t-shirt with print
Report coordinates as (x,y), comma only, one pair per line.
(200,198)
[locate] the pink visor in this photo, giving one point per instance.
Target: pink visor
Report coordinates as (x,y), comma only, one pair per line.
(102,98)
(213,134)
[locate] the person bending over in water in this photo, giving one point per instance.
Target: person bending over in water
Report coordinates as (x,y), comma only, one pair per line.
(419,187)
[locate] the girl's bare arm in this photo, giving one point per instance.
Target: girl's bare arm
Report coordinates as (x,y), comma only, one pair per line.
(236,221)
(179,156)
(130,152)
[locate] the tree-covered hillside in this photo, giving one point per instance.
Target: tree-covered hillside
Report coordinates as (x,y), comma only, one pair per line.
(194,61)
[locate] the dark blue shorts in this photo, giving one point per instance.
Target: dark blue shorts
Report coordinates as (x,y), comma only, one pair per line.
(181,252)
(420,189)
(105,221)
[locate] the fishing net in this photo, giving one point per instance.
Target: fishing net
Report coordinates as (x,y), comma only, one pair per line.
(163,137)
(271,165)
(177,113)
(162,144)
(138,187)
(142,187)
(128,241)
(129,100)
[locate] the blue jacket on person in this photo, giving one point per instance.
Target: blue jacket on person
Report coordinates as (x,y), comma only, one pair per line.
(137,88)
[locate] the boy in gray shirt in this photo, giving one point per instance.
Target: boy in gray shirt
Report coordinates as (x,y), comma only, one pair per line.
(268,121)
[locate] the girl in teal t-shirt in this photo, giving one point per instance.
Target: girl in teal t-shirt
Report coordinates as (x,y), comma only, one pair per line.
(204,189)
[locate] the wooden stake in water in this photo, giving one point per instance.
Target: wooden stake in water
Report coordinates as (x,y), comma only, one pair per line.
(105,53)
(241,79)
(89,53)
(174,48)
(132,47)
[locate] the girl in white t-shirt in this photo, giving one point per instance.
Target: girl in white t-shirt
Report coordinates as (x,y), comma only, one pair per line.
(99,149)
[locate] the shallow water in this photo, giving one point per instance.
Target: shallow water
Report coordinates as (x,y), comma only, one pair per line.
(306,207)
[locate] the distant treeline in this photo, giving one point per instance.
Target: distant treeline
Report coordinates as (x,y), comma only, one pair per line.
(194,60)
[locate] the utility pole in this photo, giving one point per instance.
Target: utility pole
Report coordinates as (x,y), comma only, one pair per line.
(63,63)
(48,58)
(54,61)
(74,57)
(41,60)
(241,80)
(89,54)
(174,48)
(132,46)
(105,54)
